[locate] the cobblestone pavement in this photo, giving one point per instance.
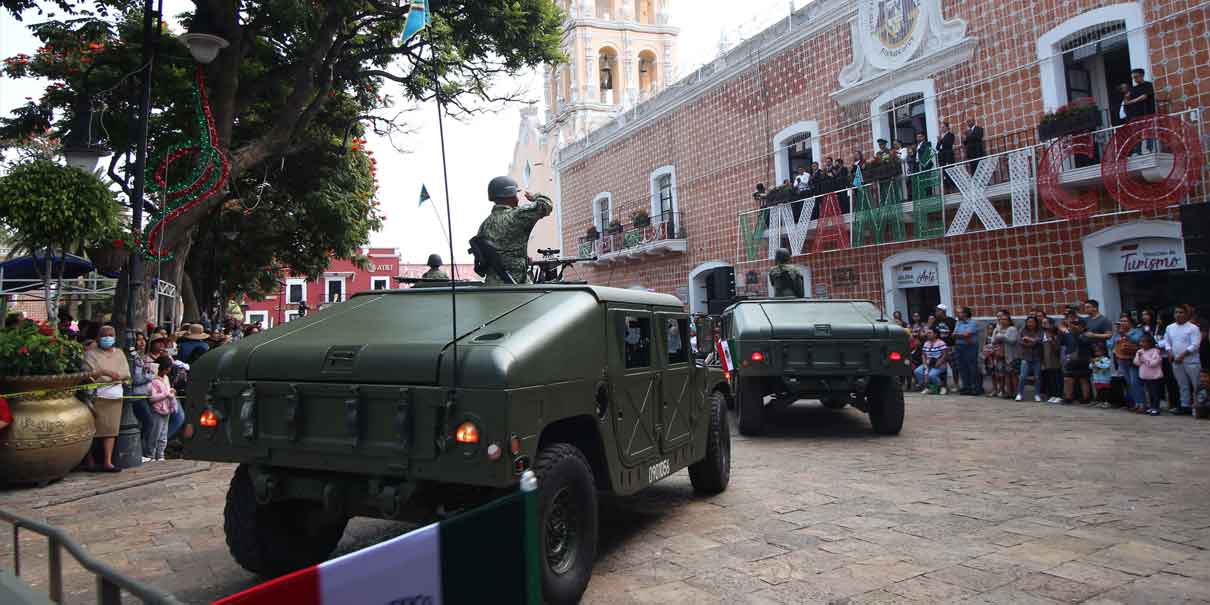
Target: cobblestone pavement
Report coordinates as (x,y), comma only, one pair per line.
(978,501)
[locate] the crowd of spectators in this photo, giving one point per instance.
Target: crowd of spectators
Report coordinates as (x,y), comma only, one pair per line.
(1138,363)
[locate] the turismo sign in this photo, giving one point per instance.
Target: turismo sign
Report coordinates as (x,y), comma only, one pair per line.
(1149,255)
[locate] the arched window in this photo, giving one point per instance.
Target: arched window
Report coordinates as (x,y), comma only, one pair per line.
(663,199)
(796,146)
(644,11)
(1091,54)
(647,73)
(604,9)
(610,83)
(602,211)
(899,113)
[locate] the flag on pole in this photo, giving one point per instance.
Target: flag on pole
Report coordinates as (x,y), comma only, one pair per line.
(418,18)
(424,195)
(724,355)
(486,555)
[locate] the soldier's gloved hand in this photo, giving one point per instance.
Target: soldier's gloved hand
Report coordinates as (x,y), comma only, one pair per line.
(529,196)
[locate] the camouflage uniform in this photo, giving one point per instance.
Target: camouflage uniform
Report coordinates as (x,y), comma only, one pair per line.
(435,274)
(782,275)
(508,229)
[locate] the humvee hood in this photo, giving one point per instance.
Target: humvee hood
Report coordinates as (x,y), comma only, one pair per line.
(388,338)
(786,319)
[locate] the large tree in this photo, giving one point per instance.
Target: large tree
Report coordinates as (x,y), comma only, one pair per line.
(298,77)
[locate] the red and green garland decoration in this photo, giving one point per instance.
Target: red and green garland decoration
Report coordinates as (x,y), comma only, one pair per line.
(210,172)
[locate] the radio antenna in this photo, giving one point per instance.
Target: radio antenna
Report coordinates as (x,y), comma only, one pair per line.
(449,221)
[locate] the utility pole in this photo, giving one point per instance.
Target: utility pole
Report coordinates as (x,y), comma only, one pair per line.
(151,30)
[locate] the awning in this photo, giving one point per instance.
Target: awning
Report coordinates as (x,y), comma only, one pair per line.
(21,274)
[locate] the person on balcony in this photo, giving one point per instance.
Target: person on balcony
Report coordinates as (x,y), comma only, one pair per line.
(972,145)
(945,145)
(802,182)
(1141,104)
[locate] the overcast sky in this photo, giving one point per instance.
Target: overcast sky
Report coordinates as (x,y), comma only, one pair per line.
(477,149)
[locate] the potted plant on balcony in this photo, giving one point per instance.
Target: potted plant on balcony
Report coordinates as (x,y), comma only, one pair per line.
(51,429)
(879,169)
(592,234)
(613,228)
(1081,115)
(781,194)
(641,219)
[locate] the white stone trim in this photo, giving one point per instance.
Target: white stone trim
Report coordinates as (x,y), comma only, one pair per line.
(669,171)
(781,162)
(343,291)
(262,316)
(608,198)
(1050,66)
(374,279)
(296,281)
(697,302)
(1101,285)
(926,87)
(891,295)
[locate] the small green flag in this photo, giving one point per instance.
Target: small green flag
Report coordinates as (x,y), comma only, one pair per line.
(424,195)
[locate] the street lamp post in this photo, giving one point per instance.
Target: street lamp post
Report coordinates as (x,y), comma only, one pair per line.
(151,39)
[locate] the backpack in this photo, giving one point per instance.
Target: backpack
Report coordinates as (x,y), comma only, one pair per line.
(178,378)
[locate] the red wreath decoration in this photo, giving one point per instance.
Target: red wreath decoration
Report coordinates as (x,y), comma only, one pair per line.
(1178,139)
(1059,199)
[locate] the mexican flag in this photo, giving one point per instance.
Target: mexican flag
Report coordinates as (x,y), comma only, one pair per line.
(486,555)
(724,355)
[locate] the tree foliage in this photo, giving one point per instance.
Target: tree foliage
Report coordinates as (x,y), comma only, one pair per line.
(45,204)
(298,76)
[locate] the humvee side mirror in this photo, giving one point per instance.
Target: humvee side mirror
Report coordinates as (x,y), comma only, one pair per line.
(704,324)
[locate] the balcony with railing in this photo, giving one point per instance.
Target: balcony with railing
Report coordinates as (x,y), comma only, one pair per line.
(661,235)
(1107,171)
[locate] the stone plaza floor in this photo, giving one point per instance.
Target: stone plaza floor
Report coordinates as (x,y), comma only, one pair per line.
(978,501)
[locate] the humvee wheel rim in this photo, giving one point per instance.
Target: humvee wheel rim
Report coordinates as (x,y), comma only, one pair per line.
(562,535)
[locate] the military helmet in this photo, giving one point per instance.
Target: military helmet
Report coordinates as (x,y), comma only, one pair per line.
(501,187)
(782,255)
(434,260)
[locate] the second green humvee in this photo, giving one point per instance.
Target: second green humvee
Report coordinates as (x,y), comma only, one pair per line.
(842,352)
(367,409)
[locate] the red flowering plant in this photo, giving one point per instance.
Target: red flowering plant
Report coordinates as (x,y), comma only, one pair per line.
(35,348)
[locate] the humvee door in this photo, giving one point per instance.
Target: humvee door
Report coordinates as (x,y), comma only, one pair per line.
(635,373)
(679,393)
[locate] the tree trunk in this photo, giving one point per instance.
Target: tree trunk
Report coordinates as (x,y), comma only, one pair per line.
(189,299)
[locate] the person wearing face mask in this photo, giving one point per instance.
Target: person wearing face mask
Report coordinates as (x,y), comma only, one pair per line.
(108,366)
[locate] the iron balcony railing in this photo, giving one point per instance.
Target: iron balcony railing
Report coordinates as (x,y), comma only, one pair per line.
(663,227)
(110,582)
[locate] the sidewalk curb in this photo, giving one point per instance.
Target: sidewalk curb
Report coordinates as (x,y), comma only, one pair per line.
(117,487)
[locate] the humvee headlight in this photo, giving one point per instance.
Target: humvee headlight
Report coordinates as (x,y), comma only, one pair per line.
(493,452)
(208,418)
(896,356)
(467,433)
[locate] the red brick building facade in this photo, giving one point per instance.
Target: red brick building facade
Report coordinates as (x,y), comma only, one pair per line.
(341,280)
(841,74)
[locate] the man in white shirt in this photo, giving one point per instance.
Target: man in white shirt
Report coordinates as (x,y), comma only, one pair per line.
(802,182)
(1182,340)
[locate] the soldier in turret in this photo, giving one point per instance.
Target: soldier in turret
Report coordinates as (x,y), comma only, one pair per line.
(507,228)
(435,271)
(786,279)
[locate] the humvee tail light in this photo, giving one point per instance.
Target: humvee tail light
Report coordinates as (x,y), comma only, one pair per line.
(493,452)
(208,418)
(896,356)
(467,432)
(514,445)
(757,356)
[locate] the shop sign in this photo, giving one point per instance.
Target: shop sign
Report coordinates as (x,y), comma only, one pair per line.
(821,290)
(1156,254)
(383,267)
(891,30)
(916,275)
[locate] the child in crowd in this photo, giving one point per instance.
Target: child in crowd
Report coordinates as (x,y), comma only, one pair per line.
(1052,366)
(163,404)
(1151,371)
(1102,375)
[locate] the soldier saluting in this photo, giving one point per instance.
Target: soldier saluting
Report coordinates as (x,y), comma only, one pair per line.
(507,228)
(786,279)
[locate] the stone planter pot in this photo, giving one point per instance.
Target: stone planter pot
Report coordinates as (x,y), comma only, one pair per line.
(1076,123)
(50,433)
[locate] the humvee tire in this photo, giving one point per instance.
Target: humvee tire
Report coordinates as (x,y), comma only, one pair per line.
(711,474)
(885,403)
(751,407)
(278,538)
(567,520)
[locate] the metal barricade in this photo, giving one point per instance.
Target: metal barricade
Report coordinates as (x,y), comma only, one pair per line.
(110,582)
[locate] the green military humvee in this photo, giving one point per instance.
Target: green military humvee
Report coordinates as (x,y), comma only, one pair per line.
(350,412)
(838,351)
